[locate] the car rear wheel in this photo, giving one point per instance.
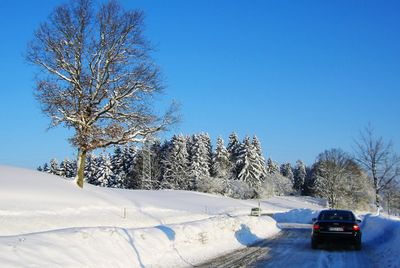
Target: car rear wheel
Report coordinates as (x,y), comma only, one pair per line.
(314,244)
(357,246)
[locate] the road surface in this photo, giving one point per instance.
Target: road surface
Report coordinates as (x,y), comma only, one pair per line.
(291,248)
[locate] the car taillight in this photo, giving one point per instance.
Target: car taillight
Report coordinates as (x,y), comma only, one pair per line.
(356,227)
(316,227)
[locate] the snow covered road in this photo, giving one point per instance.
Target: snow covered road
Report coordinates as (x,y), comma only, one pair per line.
(291,248)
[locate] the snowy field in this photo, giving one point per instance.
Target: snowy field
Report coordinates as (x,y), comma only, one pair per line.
(46,221)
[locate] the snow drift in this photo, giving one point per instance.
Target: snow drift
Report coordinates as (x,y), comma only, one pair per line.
(381,236)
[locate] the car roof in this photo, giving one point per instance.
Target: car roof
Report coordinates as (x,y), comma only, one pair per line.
(336,210)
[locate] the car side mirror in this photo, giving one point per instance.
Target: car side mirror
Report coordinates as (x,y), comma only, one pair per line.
(314,219)
(358,221)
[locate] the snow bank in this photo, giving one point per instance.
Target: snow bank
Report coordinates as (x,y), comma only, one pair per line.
(296,216)
(160,246)
(382,236)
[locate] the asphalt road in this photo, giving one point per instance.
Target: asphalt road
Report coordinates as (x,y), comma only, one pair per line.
(291,248)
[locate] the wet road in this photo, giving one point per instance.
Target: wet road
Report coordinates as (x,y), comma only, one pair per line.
(291,248)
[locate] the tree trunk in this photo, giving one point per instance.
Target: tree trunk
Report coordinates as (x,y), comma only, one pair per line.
(80,167)
(377,198)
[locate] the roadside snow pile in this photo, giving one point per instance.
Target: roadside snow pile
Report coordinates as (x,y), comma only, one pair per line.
(49,222)
(296,216)
(177,245)
(382,235)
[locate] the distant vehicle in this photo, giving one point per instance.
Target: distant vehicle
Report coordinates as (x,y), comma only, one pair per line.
(255,212)
(339,226)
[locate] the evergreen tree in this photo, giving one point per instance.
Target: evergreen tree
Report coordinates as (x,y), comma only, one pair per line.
(287,171)
(199,159)
(143,168)
(104,174)
(249,166)
(46,168)
(260,157)
(67,168)
(176,165)
(157,156)
(309,182)
(128,160)
(163,158)
(206,140)
(272,167)
(221,164)
(61,169)
(234,147)
(299,176)
(90,169)
(117,162)
(54,169)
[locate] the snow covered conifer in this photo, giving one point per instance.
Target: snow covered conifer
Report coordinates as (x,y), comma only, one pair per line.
(221,164)
(46,168)
(206,140)
(199,159)
(128,160)
(234,147)
(260,157)
(54,169)
(176,171)
(66,169)
(117,162)
(299,176)
(90,169)
(104,174)
(272,167)
(157,156)
(143,168)
(249,166)
(287,171)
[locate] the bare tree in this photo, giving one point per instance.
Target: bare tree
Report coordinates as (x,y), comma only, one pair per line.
(338,179)
(96,76)
(379,159)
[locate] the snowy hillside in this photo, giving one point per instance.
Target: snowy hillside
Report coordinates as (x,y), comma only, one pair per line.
(49,222)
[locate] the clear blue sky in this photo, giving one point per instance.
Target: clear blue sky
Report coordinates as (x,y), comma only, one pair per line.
(304,76)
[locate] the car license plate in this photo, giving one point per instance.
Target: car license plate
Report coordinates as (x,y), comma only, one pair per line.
(336,229)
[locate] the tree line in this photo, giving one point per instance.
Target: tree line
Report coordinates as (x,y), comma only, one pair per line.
(182,163)
(237,170)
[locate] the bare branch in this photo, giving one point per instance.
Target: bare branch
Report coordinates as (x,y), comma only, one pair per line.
(379,159)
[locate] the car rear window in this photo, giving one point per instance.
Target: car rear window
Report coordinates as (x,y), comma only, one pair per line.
(336,215)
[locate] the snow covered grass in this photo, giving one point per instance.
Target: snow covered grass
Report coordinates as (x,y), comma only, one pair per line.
(382,236)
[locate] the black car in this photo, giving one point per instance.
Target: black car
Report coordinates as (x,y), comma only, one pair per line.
(339,226)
